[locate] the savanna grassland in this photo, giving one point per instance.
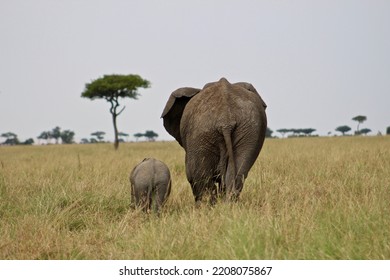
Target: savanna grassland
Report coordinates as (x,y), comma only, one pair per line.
(305,198)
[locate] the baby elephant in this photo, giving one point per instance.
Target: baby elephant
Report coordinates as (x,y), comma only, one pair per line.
(150,178)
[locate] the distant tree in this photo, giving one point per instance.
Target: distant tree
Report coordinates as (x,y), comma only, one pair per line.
(45,135)
(84,141)
(343,129)
(388,130)
(99,135)
(151,135)
(122,134)
(359,119)
(365,131)
(8,135)
(12,141)
(29,141)
(111,88)
(268,132)
(67,136)
(11,138)
(308,131)
(138,135)
(283,131)
(56,133)
(296,131)
(93,140)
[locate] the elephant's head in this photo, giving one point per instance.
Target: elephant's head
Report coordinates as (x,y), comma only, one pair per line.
(174,108)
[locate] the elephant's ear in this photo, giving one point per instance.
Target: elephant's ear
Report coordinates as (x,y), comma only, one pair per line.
(174,108)
(251,88)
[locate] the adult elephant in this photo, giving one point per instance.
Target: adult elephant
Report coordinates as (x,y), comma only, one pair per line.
(222,129)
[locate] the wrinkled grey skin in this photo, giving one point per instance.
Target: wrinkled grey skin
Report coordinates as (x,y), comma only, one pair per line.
(222,129)
(150,178)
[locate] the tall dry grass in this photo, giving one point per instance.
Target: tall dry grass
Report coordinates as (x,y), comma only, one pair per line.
(306,198)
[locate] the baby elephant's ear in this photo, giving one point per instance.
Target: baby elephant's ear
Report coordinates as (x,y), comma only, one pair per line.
(174,108)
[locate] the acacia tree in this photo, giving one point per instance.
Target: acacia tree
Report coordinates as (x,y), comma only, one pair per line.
(99,135)
(151,135)
(308,131)
(111,88)
(359,119)
(365,131)
(12,138)
(283,131)
(123,134)
(343,129)
(138,135)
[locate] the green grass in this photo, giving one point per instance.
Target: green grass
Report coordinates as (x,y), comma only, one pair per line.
(313,198)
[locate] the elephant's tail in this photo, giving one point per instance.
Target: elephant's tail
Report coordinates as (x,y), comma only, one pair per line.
(230,172)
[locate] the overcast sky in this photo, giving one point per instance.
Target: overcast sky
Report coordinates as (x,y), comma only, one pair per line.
(316,64)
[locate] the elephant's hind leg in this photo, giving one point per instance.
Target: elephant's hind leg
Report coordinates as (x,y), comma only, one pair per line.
(204,187)
(238,186)
(162,193)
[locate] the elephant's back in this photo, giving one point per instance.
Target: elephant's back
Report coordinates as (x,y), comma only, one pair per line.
(161,172)
(202,115)
(150,170)
(221,105)
(142,172)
